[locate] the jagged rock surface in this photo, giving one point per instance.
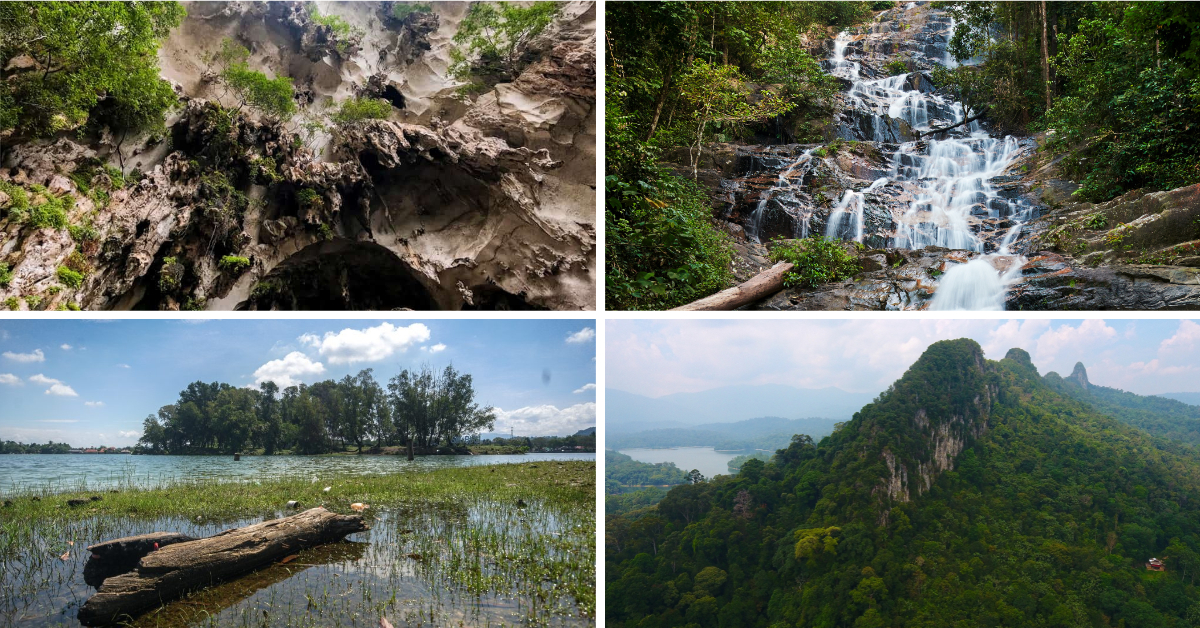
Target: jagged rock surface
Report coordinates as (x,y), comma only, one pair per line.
(454,202)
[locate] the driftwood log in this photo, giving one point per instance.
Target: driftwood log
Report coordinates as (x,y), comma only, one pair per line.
(759,287)
(113,558)
(169,572)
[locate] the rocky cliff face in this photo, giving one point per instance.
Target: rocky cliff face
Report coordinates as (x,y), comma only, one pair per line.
(455,201)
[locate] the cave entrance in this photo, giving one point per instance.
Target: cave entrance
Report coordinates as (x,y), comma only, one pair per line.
(341,275)
(393,95)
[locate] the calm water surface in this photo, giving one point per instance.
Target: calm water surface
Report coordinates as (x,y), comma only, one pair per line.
(58,472)
(707,460)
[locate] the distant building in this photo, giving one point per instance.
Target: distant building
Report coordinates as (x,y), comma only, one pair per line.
(1155,565)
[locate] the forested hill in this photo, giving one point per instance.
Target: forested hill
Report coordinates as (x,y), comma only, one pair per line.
(969,493)
(1166,418)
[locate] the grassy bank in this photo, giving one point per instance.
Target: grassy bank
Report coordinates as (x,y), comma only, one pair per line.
(511,541)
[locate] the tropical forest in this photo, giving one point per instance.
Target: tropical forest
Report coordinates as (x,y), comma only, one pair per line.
(971,492)
(902,155)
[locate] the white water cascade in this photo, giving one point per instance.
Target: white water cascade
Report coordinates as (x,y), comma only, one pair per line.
(846,220)
(946,181)
(784,186)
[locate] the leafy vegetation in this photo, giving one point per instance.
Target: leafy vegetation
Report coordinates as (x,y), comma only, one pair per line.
(272,97)
(420,408)
(344,34)
(491,37)
(357,109)
(401,10)
(682,74)
(234,264)
(6,274)
(1162,417)
(621,471)
(69,278)
(18,198)
(1117,91)
(1046,517)
(816,260)
(73,63)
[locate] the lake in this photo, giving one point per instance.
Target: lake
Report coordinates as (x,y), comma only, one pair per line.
(60,472)
(707,460)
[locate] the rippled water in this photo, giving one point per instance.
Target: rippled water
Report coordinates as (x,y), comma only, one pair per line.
(59,472)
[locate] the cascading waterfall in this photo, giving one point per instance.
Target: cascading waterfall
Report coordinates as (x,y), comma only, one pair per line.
(846,220)
(783,186)
(947,179)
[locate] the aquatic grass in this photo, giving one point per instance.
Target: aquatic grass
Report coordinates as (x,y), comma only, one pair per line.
(488,545)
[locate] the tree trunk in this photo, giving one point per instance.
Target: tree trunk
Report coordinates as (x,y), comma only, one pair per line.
(172,571)
(1045,57)
(410,449)
(662,99)
(947,128)
(759,287)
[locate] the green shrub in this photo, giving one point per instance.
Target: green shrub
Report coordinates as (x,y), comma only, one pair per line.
(264,170)
(325,232)
(13,303)
(1096,221)
(6,275)
(52,213)
(661,249)
(344,34)
(817,260)
(273,97)
(33,301)
(64,307)
(308,198)
(170,276)
(18,198)
(78,263)
(357,109)
(234,264)
(401,10)
(85,232)
(896,66)
(495,32)
(70,278)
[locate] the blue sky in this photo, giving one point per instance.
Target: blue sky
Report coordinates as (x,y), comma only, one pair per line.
(94,381)
(659,357)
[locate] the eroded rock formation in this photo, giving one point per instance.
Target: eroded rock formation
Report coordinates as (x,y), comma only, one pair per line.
(454,201)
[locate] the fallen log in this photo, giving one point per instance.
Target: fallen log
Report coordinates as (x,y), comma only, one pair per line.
(759,287)
(170,572)
(118,556)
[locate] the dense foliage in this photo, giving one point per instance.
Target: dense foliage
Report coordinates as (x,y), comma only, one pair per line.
(815,260)
(67,64)
(1115,84)
(1162,417)
(420,408)
(356,109)
(49,447)
(1045,518)
(491,37)
(683,74)
(622,471)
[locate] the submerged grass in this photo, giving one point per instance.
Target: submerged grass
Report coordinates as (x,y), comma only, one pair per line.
(508,544)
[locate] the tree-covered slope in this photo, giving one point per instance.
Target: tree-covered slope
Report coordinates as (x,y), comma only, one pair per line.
(968,494)
(1166,418)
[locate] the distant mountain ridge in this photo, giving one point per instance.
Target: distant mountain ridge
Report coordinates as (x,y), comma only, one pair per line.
(769,433)
(1157,414)
(627,412)
(1190,398)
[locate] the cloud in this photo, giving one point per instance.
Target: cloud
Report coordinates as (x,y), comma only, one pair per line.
(1088,335)
(57,388)
(585,388)
(289,371)
(581,336)
(124,366)
(373,344)
(546,420)
(36,356)
(58,421)
(65,347)
(1185,339)
(93,404)
(130,434)
(438,348)
(10,379)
